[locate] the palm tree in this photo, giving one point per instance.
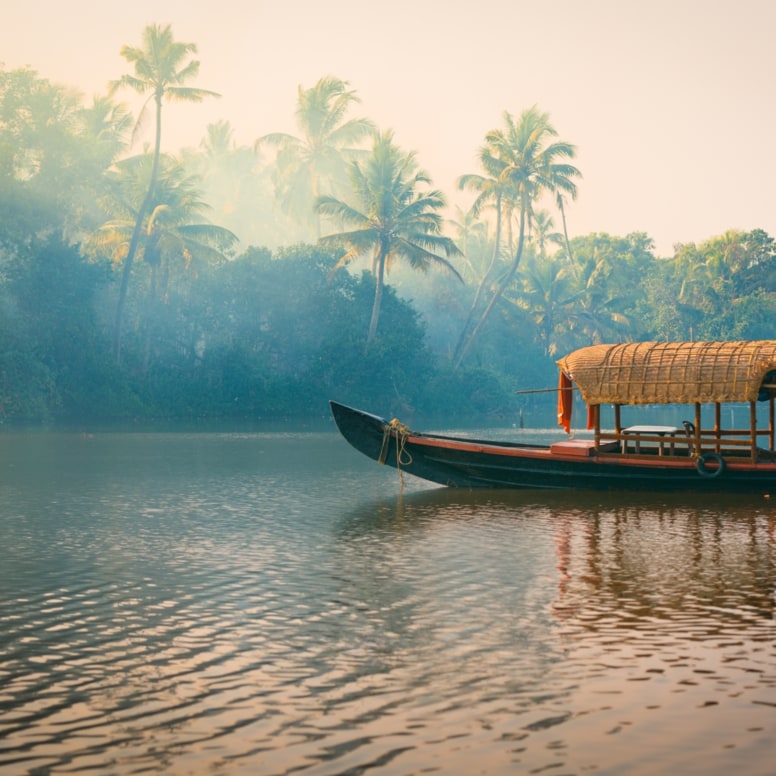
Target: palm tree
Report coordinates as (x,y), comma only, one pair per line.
(178,240)
(522,157)
(161,69)
(103,130)
(237,186)
(317,162)
(176,232)
(544,291)
(106,124)
(391,218)
(491,192)
(543,234)
(472,237)
(598,307)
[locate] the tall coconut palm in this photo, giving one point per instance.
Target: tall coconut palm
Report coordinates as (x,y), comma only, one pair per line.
(392,217)
(543,286)
(316,163)
(491,192)
(524,156)
(161,68)
(544,234)
(178,241)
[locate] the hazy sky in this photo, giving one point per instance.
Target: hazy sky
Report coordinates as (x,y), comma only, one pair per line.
(670,102)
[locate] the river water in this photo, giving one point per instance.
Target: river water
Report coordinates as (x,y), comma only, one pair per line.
(273,603)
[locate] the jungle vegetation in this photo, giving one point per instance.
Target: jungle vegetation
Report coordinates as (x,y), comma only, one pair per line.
(249,283)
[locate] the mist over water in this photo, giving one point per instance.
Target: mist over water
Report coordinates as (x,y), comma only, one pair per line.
(272,603)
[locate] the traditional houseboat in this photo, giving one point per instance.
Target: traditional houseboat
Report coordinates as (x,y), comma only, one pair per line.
(697,453)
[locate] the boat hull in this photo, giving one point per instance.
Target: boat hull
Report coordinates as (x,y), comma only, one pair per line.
(469,463)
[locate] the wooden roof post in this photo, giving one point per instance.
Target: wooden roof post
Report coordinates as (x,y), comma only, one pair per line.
(698,429)
(753,428)
(596,410)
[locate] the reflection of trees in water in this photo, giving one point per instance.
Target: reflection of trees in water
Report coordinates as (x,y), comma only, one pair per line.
(636,564)
(480,565)
(645,557)
(532,610)
(666,613)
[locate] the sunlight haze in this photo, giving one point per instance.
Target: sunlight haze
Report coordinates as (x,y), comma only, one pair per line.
(669,103)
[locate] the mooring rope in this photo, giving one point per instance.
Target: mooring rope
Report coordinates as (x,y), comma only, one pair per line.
(400,432)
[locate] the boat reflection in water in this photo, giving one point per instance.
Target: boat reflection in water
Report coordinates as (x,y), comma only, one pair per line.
(578,633)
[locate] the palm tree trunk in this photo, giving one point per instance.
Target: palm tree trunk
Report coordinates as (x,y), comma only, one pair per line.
(135,239)
(128,261)
(498,293)
(150,316)
(574,267)
(379,281)
(478,294)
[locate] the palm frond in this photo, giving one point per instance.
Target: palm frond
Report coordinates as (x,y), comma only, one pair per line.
(187,94)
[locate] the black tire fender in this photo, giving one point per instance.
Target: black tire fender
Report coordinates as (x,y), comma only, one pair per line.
(704,471)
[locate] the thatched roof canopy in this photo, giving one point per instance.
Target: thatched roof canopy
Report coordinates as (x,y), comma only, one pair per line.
(671,372)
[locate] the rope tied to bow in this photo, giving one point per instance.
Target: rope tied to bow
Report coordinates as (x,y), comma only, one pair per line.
(400,433)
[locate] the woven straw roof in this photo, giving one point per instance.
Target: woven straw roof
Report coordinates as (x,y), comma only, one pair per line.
(671,372)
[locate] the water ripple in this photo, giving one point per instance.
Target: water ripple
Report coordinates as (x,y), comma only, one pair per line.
(205,607)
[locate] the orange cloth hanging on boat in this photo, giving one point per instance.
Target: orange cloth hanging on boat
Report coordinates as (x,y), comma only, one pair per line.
(565,401)
(592,411)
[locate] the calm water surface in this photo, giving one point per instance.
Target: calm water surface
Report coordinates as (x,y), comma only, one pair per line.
(275,604)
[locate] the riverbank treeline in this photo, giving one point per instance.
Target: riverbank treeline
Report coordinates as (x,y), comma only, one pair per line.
(273,335)
(131,288)
(266,336)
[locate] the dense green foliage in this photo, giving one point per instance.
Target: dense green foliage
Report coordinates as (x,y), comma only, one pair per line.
(213,328)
